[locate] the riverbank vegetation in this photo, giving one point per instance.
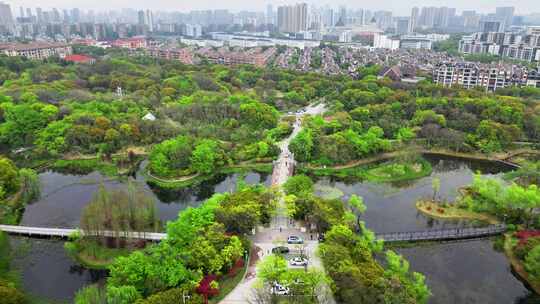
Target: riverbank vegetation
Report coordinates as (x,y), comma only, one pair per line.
(386,172)
(203,246)
(488,199)
(10,292)
(117,212)
(18,187)
(349,250)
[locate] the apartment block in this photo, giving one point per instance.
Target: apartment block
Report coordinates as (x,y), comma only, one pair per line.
(36,50)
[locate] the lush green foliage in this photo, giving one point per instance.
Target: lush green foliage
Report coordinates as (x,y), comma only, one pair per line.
(92,294)
(532,263)
(9,181)
(511,202)
(197,244)
(299,185)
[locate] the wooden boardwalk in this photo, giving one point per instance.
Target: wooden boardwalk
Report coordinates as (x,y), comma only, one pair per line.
(64,233)
(442,234)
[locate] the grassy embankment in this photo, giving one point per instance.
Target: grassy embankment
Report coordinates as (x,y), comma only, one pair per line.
(390,171)
(509,244)
(93,255)
(452,212)
(191,180)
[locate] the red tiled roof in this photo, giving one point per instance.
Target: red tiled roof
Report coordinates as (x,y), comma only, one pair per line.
(78,58)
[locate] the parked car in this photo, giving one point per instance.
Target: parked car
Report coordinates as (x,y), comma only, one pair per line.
(298,261)
(293,239)
(280,250)
(279,289)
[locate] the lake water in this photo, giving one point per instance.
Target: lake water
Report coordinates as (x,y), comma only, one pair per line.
(459,272)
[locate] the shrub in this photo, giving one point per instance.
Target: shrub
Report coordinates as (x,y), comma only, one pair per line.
(172,296)
(10,295)
(91,295)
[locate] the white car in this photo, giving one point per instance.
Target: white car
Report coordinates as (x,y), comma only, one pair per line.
(298,261)
(279,289)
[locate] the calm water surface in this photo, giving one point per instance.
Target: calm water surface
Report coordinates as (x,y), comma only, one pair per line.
(458,272)
(461,272)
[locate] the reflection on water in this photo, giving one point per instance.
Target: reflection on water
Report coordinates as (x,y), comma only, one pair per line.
(461,272)
(64,196)
(47,271)
(391,207)
(467,272)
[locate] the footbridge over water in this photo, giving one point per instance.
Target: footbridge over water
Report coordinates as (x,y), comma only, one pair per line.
(65,233)
(443,234)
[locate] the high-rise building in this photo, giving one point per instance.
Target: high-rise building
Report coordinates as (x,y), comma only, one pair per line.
(342,18)
(413,23)
(292,18)
(269,14)
(149,20)
(328,17)
(383,19)
(75,15)
(140,15)
(491,26)
(28,12)
(39,14)
(6,18)
(505,15)
(21,12)
(402,25)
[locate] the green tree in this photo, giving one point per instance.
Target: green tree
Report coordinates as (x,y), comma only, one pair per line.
(206,157)
(9,179)
(299,185)
(532,263)
(302,146)
(271,268)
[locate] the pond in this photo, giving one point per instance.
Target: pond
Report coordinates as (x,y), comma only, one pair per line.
(47,272)
(45,266)
(458,272)
(391,207)
(63,196)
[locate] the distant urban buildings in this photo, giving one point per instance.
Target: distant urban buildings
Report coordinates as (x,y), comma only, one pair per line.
(489,77)
(292,18)
(524,47)
(36,50)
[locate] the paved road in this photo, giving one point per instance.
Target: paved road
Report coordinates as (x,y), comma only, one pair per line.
(281,226)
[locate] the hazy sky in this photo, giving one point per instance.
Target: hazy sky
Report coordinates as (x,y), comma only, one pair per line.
(399,7)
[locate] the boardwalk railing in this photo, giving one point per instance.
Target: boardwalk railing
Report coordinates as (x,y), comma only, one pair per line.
(64,233)
(442,234)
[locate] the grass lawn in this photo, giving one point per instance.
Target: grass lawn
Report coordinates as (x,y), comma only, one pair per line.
(93,255)
(387,172)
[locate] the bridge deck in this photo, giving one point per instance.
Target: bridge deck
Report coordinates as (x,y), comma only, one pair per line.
(64,233)
(442,234)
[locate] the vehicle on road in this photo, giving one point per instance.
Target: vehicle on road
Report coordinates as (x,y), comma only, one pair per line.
(293,239)
(280,250)
(298,261)
(280,290)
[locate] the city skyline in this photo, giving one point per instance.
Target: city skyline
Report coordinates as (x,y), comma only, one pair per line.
(401,9)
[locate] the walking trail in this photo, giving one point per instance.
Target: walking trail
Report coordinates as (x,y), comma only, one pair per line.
(281,226)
